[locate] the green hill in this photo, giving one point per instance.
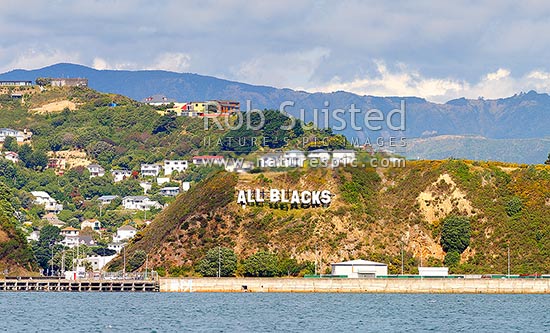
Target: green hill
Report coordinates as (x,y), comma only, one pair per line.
(373,213)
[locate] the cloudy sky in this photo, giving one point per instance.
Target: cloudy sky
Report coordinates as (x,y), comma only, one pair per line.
(429,49)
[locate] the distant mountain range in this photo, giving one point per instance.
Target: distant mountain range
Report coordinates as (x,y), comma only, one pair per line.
(436,126)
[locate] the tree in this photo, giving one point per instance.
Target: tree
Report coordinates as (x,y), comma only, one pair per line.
(452,259)
(547,162)
(10,144)
(261,264)
(215,258)
(136,260)
(455,234)
(49,236)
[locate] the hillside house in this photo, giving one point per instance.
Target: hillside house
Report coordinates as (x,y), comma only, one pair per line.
(96,170)
(271,160)
(221,108)
(70,237)
(33,236)
(50,204)
(20,136)
(170,191)
(52,219)
(294,158)
(158,100)
(106,199)
(208,160)
(116,246)
(93,224)
(97,262)
(69,82)
(11,156)
(150,170)
(7,83)
(139,202)
(124,233)
(185,186)
(320,156)
(174,165)
(120,175)
(343,157)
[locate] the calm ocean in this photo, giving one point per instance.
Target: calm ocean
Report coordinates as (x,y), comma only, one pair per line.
(263,312)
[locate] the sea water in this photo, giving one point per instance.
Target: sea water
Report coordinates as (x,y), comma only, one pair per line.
(267,312)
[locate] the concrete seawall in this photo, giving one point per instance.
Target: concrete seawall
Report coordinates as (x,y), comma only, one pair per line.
(472,286)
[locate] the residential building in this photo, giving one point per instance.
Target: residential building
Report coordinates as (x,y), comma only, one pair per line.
(50,204)
(86,240)
(320,156)
(54,220)
(170,191)
(146,186)
(208,160)
(174,165)
(151,170)
(221,108)
(116,246)
(57,163)
(139,202)
(158,100)
(185,186)
(33,236)
(11,156)
(182,109)
(96,170)
(162,180)
(124,233)
(20,136)
(198,108)
(120,175)
(343,157)
(107,199)
(92,224)
(359,269)
(97,262)
(70,237)
(15,83)
(271,160)
(294,158)
(69,82)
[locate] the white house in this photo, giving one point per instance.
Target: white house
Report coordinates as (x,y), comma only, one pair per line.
(174,165)
(343,157)
(11,156)
(71,237)
(33,236)
(162,180)
(50,204)
(208,160)
(320,156)
(116,246)
(107,199)
(124,233)
(150,170)
(92,223)
(270,160)
(139,202)
(185,186)
(120,175)
(359,269)
(433,271)
(294,158)
(96,170)
(146,186)
(20,136)
(170,191)
(97,262)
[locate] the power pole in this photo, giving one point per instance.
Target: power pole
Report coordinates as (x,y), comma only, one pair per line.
(124,260)
(146,264)
(402,257)
(508,259)
(219,262)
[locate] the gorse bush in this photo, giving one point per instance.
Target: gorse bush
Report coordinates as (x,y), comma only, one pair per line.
(455,234)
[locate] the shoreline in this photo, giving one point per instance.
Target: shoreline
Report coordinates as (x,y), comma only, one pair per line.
(378,285)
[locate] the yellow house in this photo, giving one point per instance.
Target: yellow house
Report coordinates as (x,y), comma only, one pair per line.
(199,107)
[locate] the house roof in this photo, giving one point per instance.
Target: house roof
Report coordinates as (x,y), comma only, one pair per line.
(121,171)
(40,194)
(127,227)
(107,197)
(169,188)
(69,229)
(358,262)
(207,157)
(94,165)
(135,197)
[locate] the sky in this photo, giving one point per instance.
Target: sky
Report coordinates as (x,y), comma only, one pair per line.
(429,49)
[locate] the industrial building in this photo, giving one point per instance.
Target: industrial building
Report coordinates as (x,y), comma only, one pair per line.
(359,269)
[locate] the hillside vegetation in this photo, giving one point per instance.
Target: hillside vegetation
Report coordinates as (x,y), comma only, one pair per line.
(374,212)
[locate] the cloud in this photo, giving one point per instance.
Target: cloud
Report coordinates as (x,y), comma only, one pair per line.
(403,81)
(172,61)
(36,57)
(289,69)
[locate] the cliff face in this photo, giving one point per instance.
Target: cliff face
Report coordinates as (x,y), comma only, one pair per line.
(372,214)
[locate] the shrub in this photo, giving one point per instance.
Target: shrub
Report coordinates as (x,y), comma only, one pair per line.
(455,234)
(223,258)
(514,206)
